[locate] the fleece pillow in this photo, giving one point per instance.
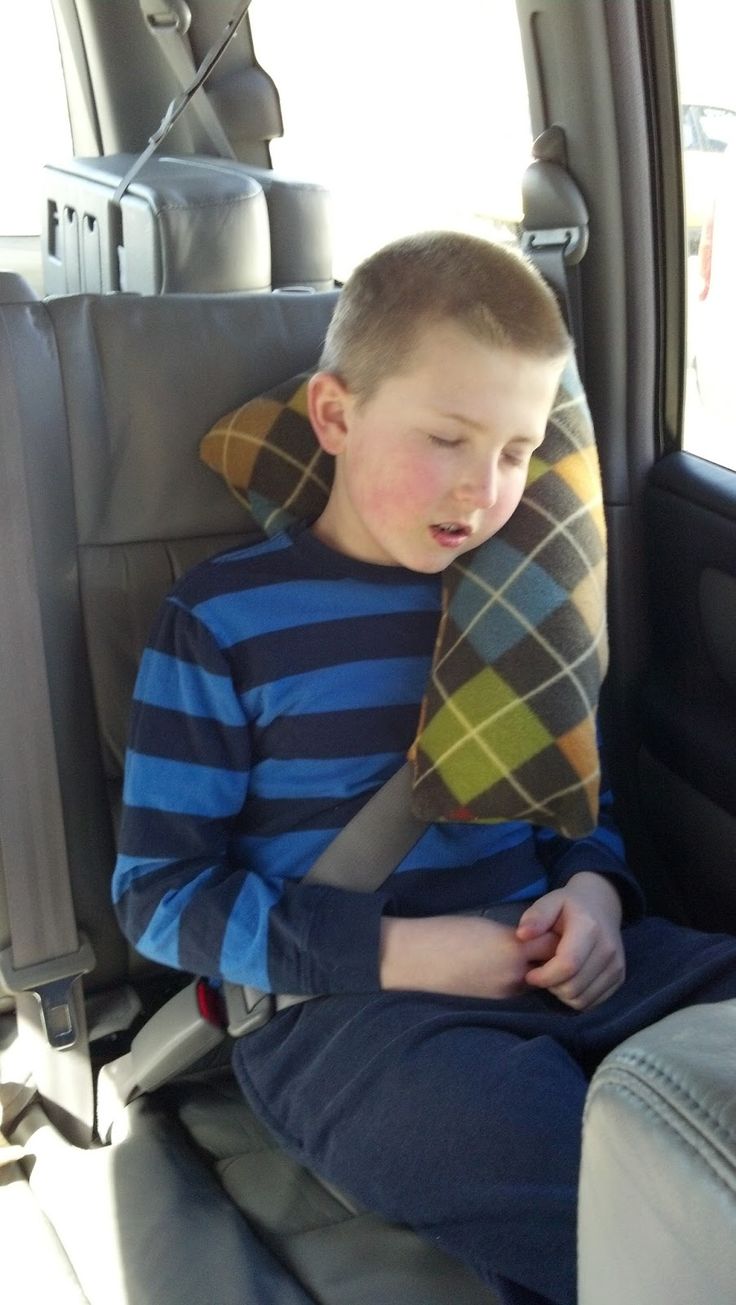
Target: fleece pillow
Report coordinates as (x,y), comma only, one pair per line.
(508,722)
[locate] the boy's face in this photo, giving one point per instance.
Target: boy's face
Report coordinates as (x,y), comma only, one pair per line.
(435,462)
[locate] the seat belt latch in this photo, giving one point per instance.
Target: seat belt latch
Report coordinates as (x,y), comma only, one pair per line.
(572,241)
(51,982)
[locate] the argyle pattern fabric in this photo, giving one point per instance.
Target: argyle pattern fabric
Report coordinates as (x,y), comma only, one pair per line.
(508,722)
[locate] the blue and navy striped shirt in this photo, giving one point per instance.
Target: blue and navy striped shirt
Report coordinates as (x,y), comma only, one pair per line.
(280,688)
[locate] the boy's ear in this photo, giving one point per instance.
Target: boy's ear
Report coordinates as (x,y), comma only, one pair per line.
(328,404)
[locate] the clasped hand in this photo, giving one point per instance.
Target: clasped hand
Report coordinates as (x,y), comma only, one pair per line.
(567,942)
(588,963)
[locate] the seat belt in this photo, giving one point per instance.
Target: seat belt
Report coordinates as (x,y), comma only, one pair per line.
(46,959)
(169,20)
(555,228)
(361,857)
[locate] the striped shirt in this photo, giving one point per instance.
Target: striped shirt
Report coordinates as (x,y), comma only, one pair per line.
(279,689)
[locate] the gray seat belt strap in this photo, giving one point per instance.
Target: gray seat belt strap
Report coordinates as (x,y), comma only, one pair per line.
(360,858)
(368,849)
(170,20)
(170,24)
(46,957)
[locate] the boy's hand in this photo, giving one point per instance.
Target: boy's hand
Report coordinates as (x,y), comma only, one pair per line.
(463,956)
(585,916)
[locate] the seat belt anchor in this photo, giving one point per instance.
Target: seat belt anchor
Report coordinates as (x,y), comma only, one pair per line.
(52,983)
(572,241)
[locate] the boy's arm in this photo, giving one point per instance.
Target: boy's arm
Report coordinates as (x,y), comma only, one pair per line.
(466,956)
(180,897)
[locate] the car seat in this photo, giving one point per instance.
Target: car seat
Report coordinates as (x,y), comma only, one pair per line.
(190,1200)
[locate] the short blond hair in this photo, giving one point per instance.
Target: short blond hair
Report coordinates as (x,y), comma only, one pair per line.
(486,287)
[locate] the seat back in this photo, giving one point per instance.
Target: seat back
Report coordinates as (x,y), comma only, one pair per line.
(114,394)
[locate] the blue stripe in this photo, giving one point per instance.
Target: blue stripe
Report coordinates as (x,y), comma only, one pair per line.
(182,787)
(329,778)
(284,856)
(166,681)
(442,847)
(350,685)
(246,962)
(451,844)
(298,603)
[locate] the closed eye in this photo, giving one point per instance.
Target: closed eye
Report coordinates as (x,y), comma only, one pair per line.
(519,455)
(516,458)
(444,442)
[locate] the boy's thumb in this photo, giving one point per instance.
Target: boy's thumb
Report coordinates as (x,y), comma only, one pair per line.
(537,919)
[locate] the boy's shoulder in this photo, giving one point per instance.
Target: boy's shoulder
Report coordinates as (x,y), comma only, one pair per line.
(256,561)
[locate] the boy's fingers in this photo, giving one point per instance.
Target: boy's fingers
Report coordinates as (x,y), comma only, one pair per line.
(602,987)
(567,962)
(541,948)
(539,918)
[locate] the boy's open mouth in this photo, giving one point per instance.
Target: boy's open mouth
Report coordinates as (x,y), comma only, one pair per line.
(450,533)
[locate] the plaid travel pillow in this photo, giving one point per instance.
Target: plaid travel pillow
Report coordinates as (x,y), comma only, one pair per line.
(508,721)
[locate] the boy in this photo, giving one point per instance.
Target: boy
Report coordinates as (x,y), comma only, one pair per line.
(442,1083)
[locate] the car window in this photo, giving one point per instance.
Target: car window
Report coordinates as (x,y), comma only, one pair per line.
(705,35)
(35,129)
(427,126)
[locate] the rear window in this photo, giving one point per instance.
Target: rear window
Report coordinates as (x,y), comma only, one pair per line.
(34,128)
(415,115)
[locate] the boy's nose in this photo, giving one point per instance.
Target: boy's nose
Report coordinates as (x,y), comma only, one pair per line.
(479,487)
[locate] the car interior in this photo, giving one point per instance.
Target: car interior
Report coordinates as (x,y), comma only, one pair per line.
(180,274)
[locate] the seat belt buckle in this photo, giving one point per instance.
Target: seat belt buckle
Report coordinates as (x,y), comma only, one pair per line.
(52,983)
(248,1008)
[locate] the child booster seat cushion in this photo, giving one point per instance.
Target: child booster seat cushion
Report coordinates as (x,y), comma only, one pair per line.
(508,723)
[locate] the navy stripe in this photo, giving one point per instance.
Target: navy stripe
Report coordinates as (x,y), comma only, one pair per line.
(430,891)
(270,816)
(162,835)
(158,732)
(294,554)
(201,934)
(179,634)
(339,734)
(270,657)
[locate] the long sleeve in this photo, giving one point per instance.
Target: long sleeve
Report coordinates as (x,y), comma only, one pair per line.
(602,851)
(181,895)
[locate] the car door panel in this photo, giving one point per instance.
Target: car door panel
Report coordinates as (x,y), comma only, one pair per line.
(688,698)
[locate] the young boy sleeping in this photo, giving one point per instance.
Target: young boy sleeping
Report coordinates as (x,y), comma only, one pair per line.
(440,1079)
